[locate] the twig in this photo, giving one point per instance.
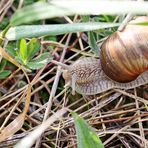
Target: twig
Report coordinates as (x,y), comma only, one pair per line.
(5,9)
(20,4)
(139,123)
(54,87)
(126,20)
(55,84)
(30,139)
(132,96)
(61,64)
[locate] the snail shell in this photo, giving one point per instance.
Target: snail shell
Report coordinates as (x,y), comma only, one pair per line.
(90,78)
(124,55)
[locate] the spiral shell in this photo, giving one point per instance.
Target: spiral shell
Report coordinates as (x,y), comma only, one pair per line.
(124,55)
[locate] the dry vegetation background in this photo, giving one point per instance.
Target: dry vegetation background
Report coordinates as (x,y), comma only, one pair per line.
(119,117)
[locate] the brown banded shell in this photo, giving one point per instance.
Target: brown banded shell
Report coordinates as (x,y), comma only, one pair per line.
(124,55)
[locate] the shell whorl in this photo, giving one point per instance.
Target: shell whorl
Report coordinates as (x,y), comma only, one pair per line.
(124,55)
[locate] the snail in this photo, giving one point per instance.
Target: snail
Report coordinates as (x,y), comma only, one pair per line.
(123,63)
(125,54)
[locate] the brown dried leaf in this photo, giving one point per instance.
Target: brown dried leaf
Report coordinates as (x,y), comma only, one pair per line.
(12,128)
(5,55)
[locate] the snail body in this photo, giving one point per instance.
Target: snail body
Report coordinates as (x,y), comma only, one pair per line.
(90,78)
(123,63)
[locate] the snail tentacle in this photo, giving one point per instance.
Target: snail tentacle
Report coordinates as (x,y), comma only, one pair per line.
(73,83)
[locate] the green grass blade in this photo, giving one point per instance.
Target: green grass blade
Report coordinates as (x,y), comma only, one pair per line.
(56,8)
(30,31)
(86,136)
(91,38)
(93,43)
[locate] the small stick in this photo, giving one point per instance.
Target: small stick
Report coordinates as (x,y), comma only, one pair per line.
(126,20)
(61,64)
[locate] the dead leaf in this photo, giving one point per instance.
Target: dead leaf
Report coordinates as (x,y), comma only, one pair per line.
(12,128)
